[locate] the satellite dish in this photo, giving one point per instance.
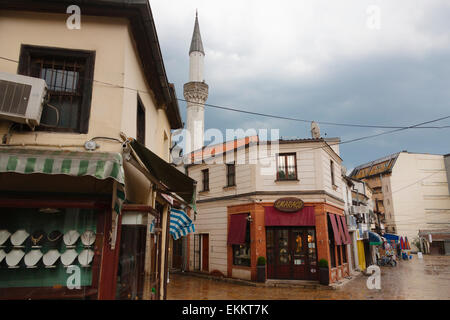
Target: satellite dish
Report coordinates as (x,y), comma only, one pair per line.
(315,130)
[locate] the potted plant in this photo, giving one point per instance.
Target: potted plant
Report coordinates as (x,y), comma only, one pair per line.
(324,275)
(261,269)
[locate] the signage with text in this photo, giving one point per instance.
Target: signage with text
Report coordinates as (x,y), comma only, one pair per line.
(289,204)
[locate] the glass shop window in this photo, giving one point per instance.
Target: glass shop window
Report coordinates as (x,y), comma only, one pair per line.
(270,249)
(48,253)
(241,252)
(131,269)
(339,255)
(344,253)
(312,251)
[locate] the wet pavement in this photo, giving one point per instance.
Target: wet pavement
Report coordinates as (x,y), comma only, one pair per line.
(427,278)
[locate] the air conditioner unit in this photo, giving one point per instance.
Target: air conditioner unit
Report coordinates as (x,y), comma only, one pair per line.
(21,98)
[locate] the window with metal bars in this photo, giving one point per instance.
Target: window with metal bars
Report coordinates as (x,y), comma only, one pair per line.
(69,78)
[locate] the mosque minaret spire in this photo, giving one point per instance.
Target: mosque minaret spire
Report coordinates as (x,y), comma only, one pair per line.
(196,91)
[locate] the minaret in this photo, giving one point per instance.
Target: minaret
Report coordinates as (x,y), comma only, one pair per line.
(195,92)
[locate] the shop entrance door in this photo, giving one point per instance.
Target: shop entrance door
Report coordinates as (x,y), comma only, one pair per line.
(291,253)
(177,253)
(131,271)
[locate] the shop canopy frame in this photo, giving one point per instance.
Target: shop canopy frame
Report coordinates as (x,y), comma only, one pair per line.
(391,237)
(102,166)
(375,239)
(164,175)
(99,165)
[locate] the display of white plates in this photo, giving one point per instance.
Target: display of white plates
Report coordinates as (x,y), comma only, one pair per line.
(4,236)
(68,257)
(2,255)
(13,258)
(71,237)
(88,238)
(32,258)
(19,237)
(85,257)
(50,258)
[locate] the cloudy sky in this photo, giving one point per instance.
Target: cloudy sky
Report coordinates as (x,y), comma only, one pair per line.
(350,61)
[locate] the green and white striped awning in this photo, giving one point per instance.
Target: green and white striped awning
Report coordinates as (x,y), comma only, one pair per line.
(100,165)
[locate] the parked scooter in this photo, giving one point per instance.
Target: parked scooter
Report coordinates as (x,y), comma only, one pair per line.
(386,261)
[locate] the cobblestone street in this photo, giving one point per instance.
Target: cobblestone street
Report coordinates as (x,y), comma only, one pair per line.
(414,279)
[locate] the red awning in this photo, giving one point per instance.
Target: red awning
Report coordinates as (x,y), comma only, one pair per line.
(341,229)
(237,228)
(303,217)
(337,236)
(347,235)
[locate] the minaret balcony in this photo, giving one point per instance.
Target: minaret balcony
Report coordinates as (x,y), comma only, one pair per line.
(196,91)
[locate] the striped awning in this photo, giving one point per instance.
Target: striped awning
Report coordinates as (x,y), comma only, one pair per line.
(180,224)
(100,165)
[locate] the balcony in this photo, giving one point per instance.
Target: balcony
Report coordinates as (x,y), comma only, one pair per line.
(359,209)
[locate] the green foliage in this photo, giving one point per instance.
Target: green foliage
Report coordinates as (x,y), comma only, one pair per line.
(261,261)
(416,242)
(323,263)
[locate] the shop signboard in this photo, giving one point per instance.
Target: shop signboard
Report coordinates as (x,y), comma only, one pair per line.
(289,204)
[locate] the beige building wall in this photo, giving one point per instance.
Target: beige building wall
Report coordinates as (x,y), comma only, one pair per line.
(419,192)
(212,220)
(113,109)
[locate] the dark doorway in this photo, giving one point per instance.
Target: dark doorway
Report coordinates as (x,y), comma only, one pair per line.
(291,253)
(437,248)
(367,253)
(130,277)
(177,253)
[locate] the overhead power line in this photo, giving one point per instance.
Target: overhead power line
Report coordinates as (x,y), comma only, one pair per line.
(265,114)
(308,121)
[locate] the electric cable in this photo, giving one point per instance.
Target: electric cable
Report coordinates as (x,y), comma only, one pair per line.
(255,113)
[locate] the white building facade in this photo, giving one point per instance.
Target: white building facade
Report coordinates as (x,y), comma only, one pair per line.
(306,169)
(414,189)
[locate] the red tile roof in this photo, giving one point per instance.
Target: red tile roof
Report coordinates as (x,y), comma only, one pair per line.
(220,148)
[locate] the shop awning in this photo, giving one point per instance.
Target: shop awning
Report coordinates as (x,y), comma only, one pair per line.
(175,181)
(346,239)
(337,236)
(375,239)
(237,228)
(100,165)
(303,217)
(180,224)
(340,228)
(391,237)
